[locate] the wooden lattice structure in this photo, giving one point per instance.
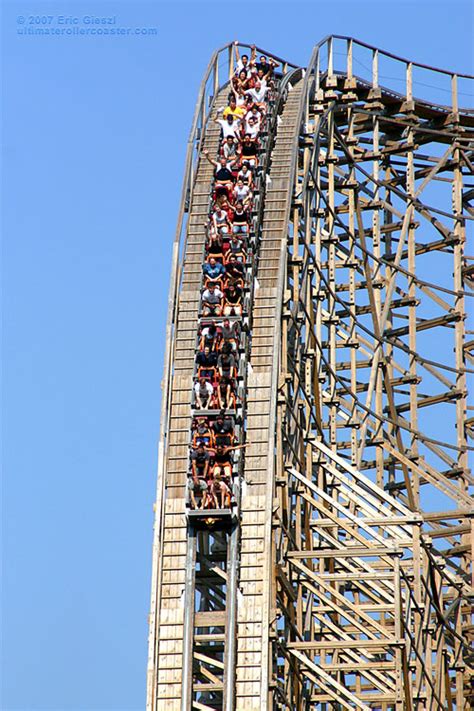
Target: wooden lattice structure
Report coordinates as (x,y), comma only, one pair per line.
(343,579)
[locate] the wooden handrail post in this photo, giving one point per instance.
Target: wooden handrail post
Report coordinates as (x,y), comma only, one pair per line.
(349,58)
(375,68)
(231,61)
(203,121)
(317,72)
(454,92)
(330,58)
(216,75)
(409,91)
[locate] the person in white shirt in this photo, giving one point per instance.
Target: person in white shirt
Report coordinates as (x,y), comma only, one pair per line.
(240,98)
(204,392)
(252,127)
(245,175)
(219,493)
(262,77)
(255,112)
(230,126)
(242,193)
(258,93)
(221,222)
(242,62)
(212,301)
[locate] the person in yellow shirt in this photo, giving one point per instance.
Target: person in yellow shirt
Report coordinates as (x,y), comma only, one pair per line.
(237,112)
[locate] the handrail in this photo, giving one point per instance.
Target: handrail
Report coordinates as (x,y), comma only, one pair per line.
(408,67)
(395,56)
(258,50)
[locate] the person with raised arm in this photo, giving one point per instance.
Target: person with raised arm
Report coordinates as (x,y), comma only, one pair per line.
(243,63)
(223,459)
(240,97)
(222,175)
(230,126)
(267,66)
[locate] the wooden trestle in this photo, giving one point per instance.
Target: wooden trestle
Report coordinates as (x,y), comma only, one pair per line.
(342,578)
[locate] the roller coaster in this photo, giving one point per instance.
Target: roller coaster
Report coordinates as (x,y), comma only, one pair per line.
(328,564)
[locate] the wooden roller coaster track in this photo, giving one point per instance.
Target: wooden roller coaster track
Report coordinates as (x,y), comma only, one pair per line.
(342,577)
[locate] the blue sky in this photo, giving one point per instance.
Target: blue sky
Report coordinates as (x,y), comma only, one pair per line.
(94,143)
